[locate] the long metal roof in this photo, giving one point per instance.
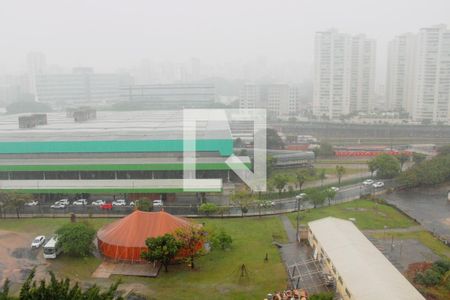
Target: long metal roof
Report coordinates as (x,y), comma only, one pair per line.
(365,271)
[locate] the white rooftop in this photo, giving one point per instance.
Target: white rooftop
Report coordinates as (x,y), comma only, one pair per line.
(112,125)
(365,271)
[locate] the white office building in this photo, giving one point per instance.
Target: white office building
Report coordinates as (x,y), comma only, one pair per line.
(344,74)
(418,79)
(279,99)
(36,65)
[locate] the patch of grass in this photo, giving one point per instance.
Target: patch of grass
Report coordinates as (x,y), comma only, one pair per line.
(217,274)
(422,236)
(368,215)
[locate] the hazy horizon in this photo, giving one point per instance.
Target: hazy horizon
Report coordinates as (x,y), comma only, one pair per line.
(110,35)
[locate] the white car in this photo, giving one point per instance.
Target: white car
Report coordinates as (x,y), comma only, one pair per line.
(80,202)
(38,241)
(62,201)
(32,203)
(98,202)
(267,204)
(157,203)
(119,202)
(131,203)
(58,206)
(300,196)
(368,182)
(378,184)
(334,189)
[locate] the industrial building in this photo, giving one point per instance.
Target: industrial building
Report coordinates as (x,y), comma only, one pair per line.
(359,269)
(117,152)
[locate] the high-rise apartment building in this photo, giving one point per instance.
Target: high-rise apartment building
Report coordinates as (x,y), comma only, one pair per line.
(278,99)
(344,74)
(418,78)
(36,65)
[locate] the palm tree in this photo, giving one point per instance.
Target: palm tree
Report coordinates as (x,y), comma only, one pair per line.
(322,176)
(340,171)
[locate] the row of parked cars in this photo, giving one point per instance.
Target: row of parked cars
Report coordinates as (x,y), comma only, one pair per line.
(370,182)
(63,203)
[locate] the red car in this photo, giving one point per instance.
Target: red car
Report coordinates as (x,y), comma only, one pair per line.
(107,206)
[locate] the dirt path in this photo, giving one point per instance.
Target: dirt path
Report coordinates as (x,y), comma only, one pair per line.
(17,259)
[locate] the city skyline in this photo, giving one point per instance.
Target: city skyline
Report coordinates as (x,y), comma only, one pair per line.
(273,31)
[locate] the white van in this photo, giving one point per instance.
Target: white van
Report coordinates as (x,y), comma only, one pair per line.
(51,249)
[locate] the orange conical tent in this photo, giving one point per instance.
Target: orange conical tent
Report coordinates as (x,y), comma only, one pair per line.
(125,239)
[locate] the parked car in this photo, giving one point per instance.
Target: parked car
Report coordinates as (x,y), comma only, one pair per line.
(267,204)
(119,202)
(131,203)
(300,196)
(378,184)
(368,182)
(58,206)
(106,206)
(32,203)
(98,202)
(38,241)
(63,201)
(334,188)
(80,202)
(157,203)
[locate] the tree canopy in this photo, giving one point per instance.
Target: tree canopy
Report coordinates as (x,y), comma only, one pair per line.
(75,239)
(386,166)
(162,249)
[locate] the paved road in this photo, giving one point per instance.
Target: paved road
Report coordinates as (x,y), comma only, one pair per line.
(429,206)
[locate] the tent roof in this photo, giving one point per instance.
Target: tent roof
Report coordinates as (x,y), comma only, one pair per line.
(134,229)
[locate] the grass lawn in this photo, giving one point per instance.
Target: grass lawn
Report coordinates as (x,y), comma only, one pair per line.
(368,215)
(422,236)
(217,273)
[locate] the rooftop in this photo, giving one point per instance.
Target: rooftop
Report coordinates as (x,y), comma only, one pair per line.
(365,271)
(111,125)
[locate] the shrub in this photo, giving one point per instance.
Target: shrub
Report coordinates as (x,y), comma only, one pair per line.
(208,208)
(428,278)
(221,240)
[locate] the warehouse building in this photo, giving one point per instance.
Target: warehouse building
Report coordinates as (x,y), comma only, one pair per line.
(360,270)
(117,152)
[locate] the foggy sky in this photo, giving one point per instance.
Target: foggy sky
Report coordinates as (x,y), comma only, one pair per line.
(111,34)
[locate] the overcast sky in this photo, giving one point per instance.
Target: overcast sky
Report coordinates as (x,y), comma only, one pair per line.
(109,34)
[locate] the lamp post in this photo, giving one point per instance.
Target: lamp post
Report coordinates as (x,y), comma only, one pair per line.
(298,198)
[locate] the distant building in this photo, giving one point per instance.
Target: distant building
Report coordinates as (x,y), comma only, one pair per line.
(344,74)
(36,64)
(278,99)
(418,78)
(171,96)
(82,86)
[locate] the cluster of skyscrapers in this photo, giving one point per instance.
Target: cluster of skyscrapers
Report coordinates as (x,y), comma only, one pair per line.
(418,76)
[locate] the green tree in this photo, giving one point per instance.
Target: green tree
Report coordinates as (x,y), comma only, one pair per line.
(144,205)
(191,239)
(280,181)
(274,141)
(301,176)
(14,200)
(75,239)
(270,164)
(316,197)
(221,240)
(372,164)
(162,249)
(330,195)
(325,150)
(322,176)
(340,171)
(243,198)
(444,150)
(208,208)
(403,158)
(427,173)
(54,289)
(418,158)
(386,166)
